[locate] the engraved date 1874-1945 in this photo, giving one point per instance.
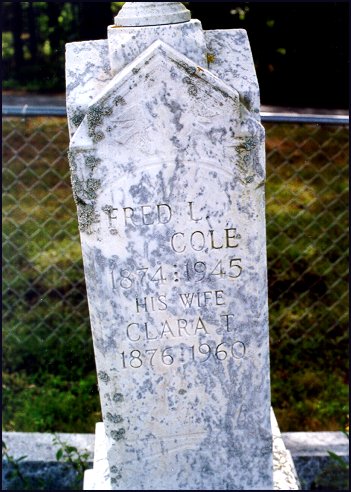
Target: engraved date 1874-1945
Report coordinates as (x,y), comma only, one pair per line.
(189,271)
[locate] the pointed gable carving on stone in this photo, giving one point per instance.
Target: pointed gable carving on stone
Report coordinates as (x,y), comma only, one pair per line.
(163,109)
(164,105)
(160,81)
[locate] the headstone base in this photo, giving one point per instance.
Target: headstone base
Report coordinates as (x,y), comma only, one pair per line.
(284,473)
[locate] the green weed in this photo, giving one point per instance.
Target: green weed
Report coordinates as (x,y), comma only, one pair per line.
(21,479)
(72,456)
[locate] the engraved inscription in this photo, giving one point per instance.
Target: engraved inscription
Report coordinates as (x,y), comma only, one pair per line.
(135,359)
(182,242)
(137,331)
(189,271)
(176,287)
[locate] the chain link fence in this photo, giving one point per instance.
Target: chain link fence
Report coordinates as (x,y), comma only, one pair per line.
(45,313)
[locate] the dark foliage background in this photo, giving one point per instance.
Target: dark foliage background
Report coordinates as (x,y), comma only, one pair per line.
(300,48)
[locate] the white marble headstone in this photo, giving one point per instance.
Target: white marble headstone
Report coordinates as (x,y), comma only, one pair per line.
(168,170)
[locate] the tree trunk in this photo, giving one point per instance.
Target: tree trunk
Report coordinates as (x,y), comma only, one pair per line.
(33,41)
(53,10)
(17,25)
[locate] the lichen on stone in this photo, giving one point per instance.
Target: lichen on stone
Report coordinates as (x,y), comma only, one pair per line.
(92,186)
(114,418)
(77,117)
(117,397)
(116,473)
(247,145)
(92,162)
(103,376)
(97,136)
(72,160)
(118,435)
(86,217)
(244,151)
(119,101)
(192,90)
(108,209)
(84,191)
(95,118)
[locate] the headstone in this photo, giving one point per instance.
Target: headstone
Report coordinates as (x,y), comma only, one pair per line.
(168,170)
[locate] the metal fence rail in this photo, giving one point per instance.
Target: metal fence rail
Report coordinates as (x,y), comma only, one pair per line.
(307,232)
(28,110)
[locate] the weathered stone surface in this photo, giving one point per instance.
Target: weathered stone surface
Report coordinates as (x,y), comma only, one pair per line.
(229,57)
(87,71)
(127,43)
(151,14)
(168,173)
(284,472)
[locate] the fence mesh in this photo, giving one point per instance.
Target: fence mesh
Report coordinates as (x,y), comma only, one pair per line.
(307,215)
(307,234)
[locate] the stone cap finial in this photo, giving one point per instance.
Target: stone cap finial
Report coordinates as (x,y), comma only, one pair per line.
(137,14)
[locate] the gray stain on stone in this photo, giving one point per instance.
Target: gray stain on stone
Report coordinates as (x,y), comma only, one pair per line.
(118,435)
(114,418)
(103,376)
(117,398)
(77,117)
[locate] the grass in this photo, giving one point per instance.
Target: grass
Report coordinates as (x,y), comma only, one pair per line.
(49,378)
(307,224)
